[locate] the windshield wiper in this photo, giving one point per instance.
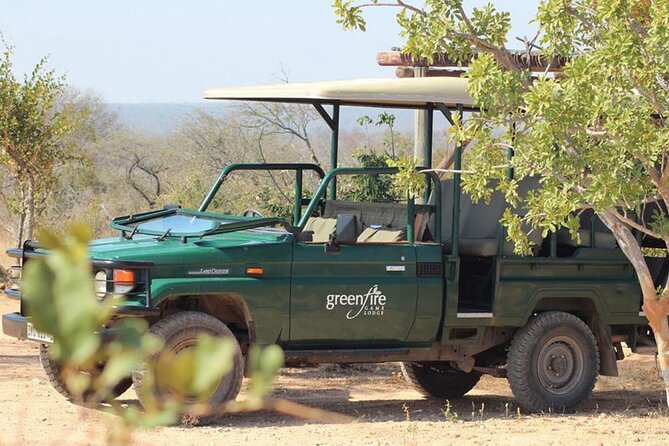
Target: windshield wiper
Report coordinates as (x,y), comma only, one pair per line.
(164,236)
(133,232)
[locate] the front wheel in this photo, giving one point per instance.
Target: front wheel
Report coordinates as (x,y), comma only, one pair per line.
(553,362)
(180,332)
(439,379)
(54,374)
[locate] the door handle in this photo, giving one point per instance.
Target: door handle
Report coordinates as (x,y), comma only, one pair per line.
(395,268)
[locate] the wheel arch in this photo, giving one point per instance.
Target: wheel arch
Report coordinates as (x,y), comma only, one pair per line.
(588,310)
(231,309)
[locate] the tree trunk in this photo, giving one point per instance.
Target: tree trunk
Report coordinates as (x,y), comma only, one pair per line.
(30,209)
(22,216)
(655,307)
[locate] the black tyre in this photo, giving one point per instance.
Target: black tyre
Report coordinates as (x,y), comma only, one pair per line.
(53,373)
(439,379)
(553,363)
(179,332)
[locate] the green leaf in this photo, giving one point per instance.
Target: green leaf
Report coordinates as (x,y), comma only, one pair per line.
(264,363)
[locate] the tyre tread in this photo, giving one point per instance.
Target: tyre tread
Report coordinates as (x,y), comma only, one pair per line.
(52,372)
(518,358)
(460,384)
(186,320)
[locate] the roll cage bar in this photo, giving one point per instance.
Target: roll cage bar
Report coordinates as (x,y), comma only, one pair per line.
(332,120)
(299,169)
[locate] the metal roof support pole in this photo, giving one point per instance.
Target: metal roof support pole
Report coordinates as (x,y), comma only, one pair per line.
(457,164)
(446,112)
(297,211)
(411,220)
(419,123)
(427,149)
(334,149)
(333,123)
(510,153)
(509,175)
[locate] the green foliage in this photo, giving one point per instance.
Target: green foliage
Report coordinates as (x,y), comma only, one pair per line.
(350,17)
(264,362)
(190,193)
(364,120)
(32,132)
(408,180)
(371,188)
(659,222)
(275,203)
(438,26)
(388,119)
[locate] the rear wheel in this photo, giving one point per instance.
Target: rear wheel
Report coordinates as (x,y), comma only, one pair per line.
(553,362)
(179,333)
(54,374)
(439,379)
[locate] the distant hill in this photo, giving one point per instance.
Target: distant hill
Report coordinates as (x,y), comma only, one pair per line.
(160,118)
(164,118)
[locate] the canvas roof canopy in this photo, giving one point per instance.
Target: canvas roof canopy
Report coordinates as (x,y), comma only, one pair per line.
(404,93)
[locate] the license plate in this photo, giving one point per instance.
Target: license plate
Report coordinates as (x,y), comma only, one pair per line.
(38,335)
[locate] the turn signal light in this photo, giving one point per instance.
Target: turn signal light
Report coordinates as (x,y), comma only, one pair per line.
(254,271)
(124,280)
(124,276)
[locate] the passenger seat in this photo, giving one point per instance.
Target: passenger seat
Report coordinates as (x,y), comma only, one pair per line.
(381,235)
(321,227)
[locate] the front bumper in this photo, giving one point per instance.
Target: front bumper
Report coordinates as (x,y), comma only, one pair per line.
(15,325)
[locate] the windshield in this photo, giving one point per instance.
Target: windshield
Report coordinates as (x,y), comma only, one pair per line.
(177,224)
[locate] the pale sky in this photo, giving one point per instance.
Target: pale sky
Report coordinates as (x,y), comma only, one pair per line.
(171,50)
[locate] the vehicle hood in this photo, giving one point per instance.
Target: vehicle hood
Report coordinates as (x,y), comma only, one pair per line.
(175,250)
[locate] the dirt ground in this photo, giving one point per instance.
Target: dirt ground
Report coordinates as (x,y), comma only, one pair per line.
(623,410)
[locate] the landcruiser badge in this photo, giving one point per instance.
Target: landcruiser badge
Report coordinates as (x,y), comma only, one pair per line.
(210,272)
(372,303)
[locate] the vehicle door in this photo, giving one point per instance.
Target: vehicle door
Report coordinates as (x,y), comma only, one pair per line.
(362,294)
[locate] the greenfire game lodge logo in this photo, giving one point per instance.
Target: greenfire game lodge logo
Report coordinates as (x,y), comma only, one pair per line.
(372,303)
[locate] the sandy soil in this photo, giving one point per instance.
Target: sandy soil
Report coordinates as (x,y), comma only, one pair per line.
(623,410)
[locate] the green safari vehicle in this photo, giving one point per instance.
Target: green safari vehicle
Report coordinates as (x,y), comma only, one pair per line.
(430,283)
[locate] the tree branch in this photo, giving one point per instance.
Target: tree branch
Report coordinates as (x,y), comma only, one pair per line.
(631,223)
(397,4)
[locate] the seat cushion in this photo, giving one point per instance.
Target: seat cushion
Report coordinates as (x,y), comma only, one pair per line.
(321,227)
(380,235)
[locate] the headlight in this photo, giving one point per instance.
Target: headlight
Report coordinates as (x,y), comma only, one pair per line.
(101,283)
(124,281)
